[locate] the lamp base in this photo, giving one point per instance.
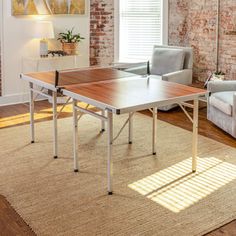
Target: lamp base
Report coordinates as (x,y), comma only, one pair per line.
(43,48)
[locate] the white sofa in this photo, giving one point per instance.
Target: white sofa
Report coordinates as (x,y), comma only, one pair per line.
(222,105)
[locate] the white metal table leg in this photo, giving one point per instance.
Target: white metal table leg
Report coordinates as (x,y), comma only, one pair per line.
(32,113)
(195,135)
(130,128)
(109,157)
(54,106)
(75,136)
(103,122)
(154,130)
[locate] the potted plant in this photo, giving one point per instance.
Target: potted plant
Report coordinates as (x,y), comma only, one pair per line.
(218,75)
(69,41)
(215,76)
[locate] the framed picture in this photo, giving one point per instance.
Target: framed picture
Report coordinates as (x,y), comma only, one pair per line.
(48,7)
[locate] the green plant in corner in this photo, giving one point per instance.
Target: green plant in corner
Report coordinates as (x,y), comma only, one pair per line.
(69,37)
(218,75)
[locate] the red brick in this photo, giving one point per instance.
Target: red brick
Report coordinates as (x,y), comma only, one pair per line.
(193,23)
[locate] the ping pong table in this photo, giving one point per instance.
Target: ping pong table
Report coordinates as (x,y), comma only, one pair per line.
(112,91)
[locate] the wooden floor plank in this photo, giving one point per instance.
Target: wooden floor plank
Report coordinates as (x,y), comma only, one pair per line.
(226,230)
(10,222)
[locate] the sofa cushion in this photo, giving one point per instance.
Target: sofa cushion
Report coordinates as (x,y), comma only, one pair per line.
(223,101)
(167,60)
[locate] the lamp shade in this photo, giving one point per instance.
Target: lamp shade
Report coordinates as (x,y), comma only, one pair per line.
(44,30)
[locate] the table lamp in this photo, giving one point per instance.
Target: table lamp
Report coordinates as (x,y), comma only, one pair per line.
(43,31)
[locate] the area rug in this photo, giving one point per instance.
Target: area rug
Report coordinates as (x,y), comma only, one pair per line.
(153,195)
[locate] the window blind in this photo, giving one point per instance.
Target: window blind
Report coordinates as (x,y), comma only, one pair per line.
(140,27)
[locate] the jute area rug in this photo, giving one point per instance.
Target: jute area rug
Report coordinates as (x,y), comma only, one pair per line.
(152,195)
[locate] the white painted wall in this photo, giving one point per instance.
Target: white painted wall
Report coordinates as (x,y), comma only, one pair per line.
(17,42)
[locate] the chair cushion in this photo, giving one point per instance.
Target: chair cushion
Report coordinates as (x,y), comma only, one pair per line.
(223,101)
(167,60)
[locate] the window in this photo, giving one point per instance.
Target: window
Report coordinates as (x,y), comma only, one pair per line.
(140,26)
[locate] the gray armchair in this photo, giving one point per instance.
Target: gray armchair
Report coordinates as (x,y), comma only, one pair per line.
(222,105)
(169,63)
(172,63)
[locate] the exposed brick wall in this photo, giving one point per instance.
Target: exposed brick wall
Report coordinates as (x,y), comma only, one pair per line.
(101,32)
(228,38)
(178,24)
(193,23)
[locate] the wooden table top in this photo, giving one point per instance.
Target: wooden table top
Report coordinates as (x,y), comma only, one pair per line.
(115,89)
(78,76)
(134,92)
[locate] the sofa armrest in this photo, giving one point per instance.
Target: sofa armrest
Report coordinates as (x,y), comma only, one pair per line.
(180,77)
(234,108)
(219,86)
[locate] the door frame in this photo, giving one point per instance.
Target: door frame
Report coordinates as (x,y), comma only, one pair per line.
(1,48)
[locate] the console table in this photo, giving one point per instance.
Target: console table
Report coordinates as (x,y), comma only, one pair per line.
(36,64)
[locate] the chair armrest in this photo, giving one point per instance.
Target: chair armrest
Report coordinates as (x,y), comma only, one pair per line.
(219,86)
(139,70)
(180,77)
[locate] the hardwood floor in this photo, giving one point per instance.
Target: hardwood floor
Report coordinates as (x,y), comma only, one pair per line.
(226,230)
(12,224)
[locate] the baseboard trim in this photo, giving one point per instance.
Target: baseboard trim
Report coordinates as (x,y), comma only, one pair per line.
(24,98)
(14,99)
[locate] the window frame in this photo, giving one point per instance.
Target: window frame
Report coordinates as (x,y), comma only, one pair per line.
(165,23)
